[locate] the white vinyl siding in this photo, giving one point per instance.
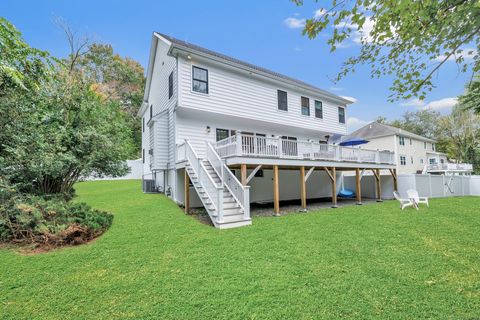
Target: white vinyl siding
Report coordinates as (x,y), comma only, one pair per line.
(249,96)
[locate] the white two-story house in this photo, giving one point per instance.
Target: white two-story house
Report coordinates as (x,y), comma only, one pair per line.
(222,133)
(413,153)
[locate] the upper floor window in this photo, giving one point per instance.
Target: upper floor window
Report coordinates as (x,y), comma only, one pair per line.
(200,80)
(305,106)
(341,115)
(282,100)
(318,109)
(433,146)
(403,160)
(410,141)
(170,85)
(401,140)
(424,145)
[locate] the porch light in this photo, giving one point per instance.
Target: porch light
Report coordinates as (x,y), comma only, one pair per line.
(189,57)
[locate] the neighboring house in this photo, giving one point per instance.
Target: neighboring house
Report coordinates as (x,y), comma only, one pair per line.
(222,133)
(413,153)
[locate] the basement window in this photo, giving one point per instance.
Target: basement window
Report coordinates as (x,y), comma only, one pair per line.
(200,80)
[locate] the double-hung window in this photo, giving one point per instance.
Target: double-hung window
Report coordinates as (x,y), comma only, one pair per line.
(403,160)
(200,80)
(170,85)
(401,140)
(282,100)
(318,109)
(305,106)
(341,115)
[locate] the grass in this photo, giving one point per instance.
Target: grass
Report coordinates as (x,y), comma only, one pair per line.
(373,261)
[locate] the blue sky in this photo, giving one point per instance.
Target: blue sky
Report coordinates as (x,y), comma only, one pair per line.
(265,33)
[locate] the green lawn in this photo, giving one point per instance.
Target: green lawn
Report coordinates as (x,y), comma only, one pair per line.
(373,261)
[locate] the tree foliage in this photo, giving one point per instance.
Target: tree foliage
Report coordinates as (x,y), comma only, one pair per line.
(21,66)
(409,40)
(57,129)
(117,79)
(471,98)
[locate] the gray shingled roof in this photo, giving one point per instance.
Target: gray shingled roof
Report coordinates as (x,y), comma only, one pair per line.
(376,130)
(187,45)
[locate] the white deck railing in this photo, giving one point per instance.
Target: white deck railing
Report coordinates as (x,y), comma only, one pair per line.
(450,166)
(276,147)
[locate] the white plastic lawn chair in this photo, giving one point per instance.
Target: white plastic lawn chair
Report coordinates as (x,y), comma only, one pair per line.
(404,202)
(413,195)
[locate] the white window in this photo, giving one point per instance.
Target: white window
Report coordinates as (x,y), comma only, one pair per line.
(421,160)
(403,160)
(432,161)
(401,140)
(341,115)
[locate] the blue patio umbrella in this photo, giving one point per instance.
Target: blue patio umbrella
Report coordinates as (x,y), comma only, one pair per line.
(353,142)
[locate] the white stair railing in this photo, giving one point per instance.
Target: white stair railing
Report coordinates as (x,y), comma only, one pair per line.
(214,191)
(239,192)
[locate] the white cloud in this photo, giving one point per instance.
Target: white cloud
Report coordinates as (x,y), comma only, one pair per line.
(350,98)
(444,103)
(413,103)
(294,23)
(298,49)
(355,123)
(336,88)
(467,54)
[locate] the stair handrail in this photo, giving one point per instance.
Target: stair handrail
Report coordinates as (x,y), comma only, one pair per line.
(213,190)
(240,193)
(215,160)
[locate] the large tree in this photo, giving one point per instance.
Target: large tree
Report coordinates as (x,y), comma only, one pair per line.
(117,79)
(54,127)
(407,39)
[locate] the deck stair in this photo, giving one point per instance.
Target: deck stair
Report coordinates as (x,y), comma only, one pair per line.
(221,193)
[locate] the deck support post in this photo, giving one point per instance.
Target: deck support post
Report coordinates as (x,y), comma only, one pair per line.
(243,169)
(378,189)
(393,172)
(333,178)
(303,189)
(276,194)
(358,186)
(334,187)
(187,192)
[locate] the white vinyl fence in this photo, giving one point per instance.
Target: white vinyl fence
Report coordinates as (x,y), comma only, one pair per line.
(436,186)
(136,171)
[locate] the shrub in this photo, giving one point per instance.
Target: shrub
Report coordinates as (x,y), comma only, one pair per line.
(27,219)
